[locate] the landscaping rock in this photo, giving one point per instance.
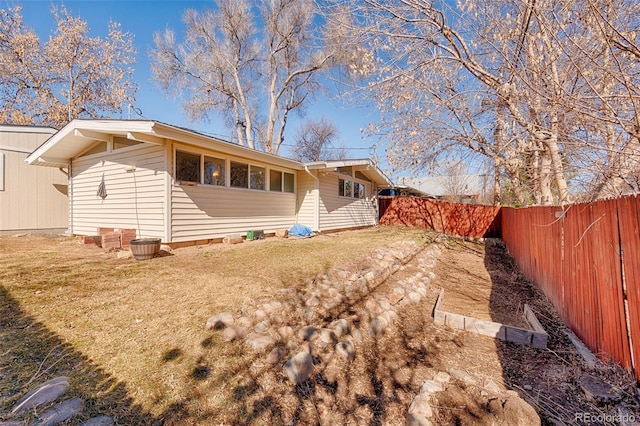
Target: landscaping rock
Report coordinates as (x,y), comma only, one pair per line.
(259,342)
(598,391)
(299,368)
(261,327)
(307,332)
(462,376)
(431,386)
(417,420)
(60,412)
(442,377)
(327,336)
(377,326)
(219,321)
(45,393)
(124,254)
(341,327)
(346,349)
(421,405)
(512,410)
(276,355)
(232,239)
(285,332)
(234,333)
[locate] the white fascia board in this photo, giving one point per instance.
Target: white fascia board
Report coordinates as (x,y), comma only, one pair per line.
(27,129)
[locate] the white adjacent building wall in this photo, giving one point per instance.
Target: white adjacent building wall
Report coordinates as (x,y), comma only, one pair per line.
(32,199)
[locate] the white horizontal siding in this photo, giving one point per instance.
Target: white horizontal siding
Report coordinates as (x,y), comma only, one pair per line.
(208,212)
(135,199)
(338,212)
(306,200)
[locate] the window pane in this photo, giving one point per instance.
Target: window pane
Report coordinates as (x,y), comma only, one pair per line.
(275,180)
(214,171)
(362,190)
(289,183)
(356,190)
(239,175)
(119,142)
(257,177)
(341,187)
(347,188)
(187,166)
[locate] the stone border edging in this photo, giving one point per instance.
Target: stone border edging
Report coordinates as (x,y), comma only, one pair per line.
(536,338)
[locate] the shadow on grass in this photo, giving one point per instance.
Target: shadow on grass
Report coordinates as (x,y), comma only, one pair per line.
(31,354)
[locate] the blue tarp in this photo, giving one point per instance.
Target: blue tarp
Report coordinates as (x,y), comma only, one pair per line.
(298,230)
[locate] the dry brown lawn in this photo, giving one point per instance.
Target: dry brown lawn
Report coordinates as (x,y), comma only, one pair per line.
(131,335)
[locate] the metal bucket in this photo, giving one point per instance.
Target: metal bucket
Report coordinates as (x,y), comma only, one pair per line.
(145,248)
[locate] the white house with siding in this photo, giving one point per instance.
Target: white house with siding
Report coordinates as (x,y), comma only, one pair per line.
(32,199)
(181,186)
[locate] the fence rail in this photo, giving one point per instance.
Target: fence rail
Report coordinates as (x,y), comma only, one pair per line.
(584,257)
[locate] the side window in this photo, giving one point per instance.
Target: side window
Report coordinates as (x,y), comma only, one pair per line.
(239,175)
(187,167)
(289,183)
(275,181)
(341,187)
(214,171)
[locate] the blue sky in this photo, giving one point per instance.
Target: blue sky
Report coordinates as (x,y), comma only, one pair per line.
(144,17)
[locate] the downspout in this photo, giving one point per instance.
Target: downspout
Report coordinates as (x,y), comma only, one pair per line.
(316,200)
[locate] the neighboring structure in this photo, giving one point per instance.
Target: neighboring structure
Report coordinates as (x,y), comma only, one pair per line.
(32,199)
(182,186)
(463,188)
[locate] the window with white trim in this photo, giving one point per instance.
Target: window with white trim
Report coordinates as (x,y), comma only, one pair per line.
(347,188)
(281,181)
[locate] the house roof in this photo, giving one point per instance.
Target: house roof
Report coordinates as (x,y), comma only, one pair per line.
(78,136)
(363,165)
(437,186)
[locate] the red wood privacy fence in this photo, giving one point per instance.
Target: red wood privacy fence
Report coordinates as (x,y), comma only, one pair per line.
(465,220)
(585,258)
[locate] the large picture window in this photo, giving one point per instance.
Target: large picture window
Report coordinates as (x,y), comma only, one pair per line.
(187,167)
(192,168)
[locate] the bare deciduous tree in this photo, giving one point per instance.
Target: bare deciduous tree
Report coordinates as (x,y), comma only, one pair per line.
(71,75)
(548,91)
(314,141)
(255,74)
